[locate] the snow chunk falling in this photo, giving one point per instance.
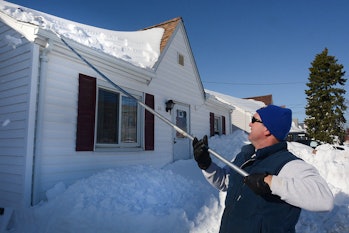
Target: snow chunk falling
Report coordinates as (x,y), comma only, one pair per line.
(13,41)
(5,122)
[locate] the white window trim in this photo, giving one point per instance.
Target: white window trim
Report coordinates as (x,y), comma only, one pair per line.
(140,122)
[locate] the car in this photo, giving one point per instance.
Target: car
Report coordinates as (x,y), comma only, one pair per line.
(294,136)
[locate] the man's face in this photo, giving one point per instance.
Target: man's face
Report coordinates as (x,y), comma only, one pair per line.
(257,129)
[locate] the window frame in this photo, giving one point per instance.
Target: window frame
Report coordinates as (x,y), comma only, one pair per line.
(221,124)
(140,121)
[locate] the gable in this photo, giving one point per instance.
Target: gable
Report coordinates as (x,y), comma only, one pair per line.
(175,36)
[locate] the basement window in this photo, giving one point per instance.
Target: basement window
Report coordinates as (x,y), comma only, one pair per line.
(180,59)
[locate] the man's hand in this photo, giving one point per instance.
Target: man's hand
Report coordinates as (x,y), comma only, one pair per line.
(201,155)
(257,184)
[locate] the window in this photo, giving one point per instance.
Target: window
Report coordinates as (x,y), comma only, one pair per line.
(117,119)
(109,119)
(217,124)
(181,122)
(129,122)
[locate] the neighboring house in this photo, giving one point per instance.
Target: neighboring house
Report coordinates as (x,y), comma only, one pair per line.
(243,109)
(61,121)
(220,115)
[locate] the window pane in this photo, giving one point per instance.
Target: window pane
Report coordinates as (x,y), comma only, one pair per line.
(107,122)
(129,120)
(181,122)
(217,125)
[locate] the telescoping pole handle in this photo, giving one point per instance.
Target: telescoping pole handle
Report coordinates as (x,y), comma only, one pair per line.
(161,117)
(179,130)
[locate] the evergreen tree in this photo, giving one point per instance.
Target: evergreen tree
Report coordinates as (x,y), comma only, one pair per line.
(326,103)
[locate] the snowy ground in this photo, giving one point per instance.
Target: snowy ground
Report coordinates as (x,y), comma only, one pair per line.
(173,199)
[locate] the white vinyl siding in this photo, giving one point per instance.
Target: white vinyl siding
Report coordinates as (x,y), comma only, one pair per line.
(241,119)
(58,160)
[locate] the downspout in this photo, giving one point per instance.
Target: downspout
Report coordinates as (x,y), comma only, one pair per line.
(35,196)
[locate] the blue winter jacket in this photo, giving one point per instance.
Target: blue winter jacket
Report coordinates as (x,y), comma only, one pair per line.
(247,212)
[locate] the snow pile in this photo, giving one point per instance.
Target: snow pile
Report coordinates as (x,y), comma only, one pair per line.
(173,199)
(140,48)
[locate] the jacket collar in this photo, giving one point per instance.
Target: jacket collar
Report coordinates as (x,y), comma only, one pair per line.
(269,150)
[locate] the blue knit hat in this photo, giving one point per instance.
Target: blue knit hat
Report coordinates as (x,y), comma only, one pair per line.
(277,120)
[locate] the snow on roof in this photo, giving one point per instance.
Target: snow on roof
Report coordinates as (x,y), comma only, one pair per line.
(246,105)
(140,48)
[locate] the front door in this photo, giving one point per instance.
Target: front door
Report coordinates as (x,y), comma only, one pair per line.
(180,117)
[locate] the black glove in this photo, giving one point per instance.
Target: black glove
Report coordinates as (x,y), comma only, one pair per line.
(256,183)
(201,154)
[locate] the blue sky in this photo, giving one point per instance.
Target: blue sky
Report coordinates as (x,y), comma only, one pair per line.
(242,48)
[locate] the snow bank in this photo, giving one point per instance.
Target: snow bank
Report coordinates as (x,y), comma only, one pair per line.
(173,199)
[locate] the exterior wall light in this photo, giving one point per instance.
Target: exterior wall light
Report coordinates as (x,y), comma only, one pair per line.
(169,105)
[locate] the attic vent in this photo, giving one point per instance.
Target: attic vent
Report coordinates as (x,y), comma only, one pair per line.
(180,59)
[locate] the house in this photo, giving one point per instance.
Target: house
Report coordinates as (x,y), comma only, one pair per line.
(220,118)
(61,120)
(243,109)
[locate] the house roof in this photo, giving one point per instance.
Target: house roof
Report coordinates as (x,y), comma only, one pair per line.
(139,48)
(266,99)
(245,105)
(169,27)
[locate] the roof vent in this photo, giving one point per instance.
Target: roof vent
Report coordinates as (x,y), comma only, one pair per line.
(180,59)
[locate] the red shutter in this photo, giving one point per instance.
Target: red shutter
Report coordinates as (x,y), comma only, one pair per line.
(86,113)
(223,124)
(149,123)
(211,124)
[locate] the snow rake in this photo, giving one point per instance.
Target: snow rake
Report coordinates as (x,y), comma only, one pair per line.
(155,113)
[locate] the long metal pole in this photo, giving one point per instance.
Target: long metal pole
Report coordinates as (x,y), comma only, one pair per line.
(161,117)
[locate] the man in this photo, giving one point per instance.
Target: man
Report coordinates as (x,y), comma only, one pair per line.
(278,186)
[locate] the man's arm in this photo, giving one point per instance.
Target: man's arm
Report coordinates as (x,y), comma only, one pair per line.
(300,184)
(218,177)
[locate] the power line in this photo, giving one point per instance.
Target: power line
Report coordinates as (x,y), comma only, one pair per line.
(258,84)
(254,84)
